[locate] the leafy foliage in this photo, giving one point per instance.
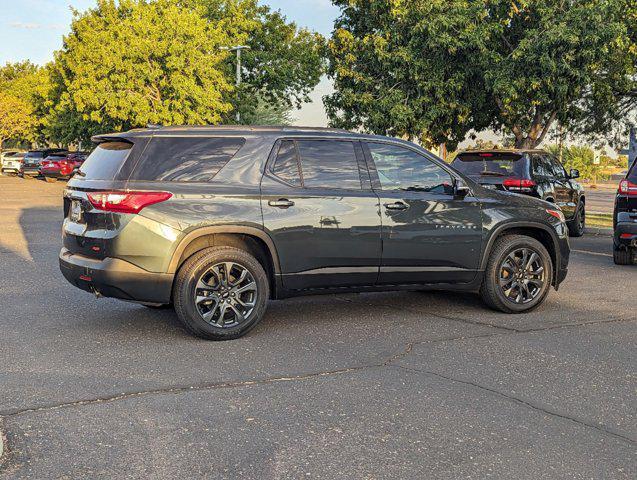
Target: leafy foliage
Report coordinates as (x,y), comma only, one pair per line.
(130,63)
(16,119)
(439,68)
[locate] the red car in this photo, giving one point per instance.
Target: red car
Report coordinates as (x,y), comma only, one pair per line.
(61,166)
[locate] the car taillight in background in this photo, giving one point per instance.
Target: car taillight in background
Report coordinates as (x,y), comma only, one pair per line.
(626,187)
(518,184)
(126,202)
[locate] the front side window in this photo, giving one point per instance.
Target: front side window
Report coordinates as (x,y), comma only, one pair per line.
(329,164)
(184,159)
(403,169)
(556,167)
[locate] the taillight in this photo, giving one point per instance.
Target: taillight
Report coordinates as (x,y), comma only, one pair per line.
(126,202)
(557,214)
(628,188)
(518,184)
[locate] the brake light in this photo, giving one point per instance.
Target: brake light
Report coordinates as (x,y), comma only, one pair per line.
(485,154)
(126,202)
(628,188)
(518,184)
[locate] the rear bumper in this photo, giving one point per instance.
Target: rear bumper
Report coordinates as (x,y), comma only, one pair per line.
(35,171)
(115,278)
(628,230)
(10,169)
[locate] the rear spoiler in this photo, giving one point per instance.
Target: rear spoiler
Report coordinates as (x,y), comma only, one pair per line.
(97,139)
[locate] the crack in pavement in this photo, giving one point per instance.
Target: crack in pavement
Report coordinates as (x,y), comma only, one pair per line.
(599,427)
(405,351)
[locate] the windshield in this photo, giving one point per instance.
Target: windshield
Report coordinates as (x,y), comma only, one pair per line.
(34,155)
(490,164)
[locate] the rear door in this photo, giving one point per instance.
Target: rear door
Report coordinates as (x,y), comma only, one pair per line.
(320,210)
(565,191)
(429,235)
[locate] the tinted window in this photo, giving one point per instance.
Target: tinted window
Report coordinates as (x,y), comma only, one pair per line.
(329,164)
(490,164)
(34,155)
(185,159)
(556,167)
(106,160)
(286,166)
(632,173)
(403,169)
(541,166)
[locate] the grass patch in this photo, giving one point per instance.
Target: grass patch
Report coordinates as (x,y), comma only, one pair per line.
(599,220)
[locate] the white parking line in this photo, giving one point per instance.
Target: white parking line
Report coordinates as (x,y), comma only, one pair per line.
(593,253)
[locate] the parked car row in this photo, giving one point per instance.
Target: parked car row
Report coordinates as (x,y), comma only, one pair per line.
(51,164)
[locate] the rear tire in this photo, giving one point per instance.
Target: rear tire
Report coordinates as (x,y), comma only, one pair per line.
(577,226)
(504,256)
(215,304)
(622,256)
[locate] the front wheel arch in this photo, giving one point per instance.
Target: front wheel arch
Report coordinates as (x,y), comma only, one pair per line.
(538,231)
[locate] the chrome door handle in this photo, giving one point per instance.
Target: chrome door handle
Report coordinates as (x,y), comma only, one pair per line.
(396,206)
(281,203)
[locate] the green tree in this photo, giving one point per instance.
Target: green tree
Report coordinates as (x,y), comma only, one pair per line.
(30,84)
(436,69)
(284,62)
(129,63)
(16,119)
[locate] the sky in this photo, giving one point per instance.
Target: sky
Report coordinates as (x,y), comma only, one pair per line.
(33,30)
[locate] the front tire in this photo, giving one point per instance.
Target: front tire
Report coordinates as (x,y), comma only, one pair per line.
(518,276)
(221,293)
(577,226)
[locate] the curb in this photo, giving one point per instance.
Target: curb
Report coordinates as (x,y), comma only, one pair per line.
(606,232)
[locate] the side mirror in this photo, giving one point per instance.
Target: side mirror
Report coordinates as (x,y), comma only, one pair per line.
(461,189)
(574,173)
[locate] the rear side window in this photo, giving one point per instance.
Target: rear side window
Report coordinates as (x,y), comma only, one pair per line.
(329,164)
(106,160)
(632,173)
(490,164)
(286,166)
(185,159)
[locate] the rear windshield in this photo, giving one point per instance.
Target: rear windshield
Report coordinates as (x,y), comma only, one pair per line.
(632,173)
(490,164)
(106,160)
(195,159)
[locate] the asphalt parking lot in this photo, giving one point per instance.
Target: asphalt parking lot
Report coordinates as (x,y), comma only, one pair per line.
(389,385)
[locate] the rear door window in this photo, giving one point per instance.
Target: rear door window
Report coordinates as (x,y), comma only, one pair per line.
(106,160)
(490,164)
(329,164)
(196,159)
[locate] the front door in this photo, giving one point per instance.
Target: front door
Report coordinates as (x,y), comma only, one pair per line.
(429,234)
(320,210)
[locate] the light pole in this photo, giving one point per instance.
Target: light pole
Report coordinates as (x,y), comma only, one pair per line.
(238,49)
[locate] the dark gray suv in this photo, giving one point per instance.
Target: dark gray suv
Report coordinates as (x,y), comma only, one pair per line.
(217,220)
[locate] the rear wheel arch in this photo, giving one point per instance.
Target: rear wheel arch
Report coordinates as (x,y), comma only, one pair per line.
(250,239)
(538,231)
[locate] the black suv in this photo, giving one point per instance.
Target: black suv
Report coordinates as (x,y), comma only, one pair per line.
(530,172)
(625,219)
(217,220)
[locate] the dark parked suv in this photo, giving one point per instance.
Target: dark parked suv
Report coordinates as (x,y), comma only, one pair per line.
(625,219)
(217,220)
(529,172)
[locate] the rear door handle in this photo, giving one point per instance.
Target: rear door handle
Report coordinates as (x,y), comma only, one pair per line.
(281,203)
(396,206)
